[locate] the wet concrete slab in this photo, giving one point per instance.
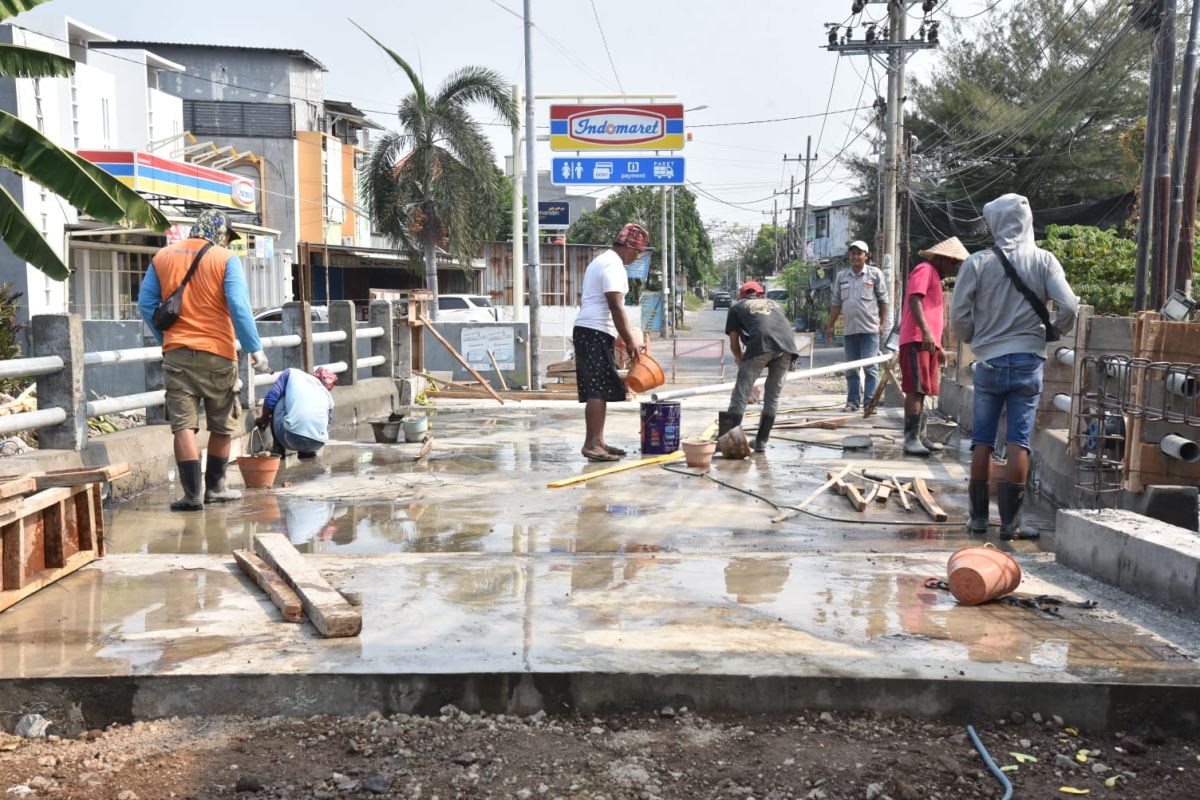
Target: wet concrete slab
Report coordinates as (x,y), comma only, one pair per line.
(482,586)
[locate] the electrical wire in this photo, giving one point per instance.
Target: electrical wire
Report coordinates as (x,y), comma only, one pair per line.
(607,51)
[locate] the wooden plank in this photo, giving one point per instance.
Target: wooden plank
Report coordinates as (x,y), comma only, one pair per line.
(327,610)
(883,493)
(84,525)
(55,533)
(926,500)
(855,497)
(36,502)
(880,387)
(78,477)
(279,593)
(587,476)
(499,374)
(458,357)
(821,422)
(869,497)
(838,485)
(44,579)
(834,478)
(12,566)
(901,494)
(15,487)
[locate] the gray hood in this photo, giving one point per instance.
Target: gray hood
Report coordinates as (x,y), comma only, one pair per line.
(1011,220)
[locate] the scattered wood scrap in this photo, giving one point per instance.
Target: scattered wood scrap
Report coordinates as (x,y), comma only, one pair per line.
(855,497)
(458,357)
(326,609)
(279,593)
(870,496)
(882,493)
(833,479)
(926,500)
(901,495)
(499,373)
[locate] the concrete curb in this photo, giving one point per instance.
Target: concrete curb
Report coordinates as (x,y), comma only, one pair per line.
(1091,706)
(1144,557)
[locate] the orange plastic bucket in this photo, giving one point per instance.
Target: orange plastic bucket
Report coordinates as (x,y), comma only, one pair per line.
(645,375)
(978,574)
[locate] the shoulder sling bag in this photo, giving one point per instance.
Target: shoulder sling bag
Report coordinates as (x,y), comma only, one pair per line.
(168,311)
(1039,308)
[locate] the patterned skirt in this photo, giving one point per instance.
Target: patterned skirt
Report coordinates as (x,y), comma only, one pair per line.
(596,366)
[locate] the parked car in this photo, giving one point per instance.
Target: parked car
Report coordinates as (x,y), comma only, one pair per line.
(317,313)
(722,300)
(465,308)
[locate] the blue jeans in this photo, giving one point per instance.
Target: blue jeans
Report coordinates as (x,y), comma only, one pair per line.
(1012,382)
(286,440)
(856,346)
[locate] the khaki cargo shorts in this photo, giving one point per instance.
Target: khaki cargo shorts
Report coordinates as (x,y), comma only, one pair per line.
(192,377)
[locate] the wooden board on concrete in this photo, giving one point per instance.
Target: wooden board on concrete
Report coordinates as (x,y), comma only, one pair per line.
(901,494)
(882,493)
(926,500)
(855,497)
(78,477)
(328,611)
(39,581)
(279,593)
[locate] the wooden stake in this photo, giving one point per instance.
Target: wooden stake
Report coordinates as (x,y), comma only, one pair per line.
(287,601)
(900,494)
(587,476)
(458,356)
(926,500)
(499,374)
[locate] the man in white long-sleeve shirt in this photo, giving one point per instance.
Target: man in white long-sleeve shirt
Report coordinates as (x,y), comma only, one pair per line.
(1007,334)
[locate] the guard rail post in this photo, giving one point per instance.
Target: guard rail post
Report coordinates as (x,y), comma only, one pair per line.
(341,318)
(297,320)
(380,316)
(61,335)
(155,381)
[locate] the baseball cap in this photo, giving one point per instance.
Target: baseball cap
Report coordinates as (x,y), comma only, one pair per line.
(750,286)
(860,245)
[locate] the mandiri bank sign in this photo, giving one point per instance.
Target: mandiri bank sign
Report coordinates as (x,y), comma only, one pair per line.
(657,126)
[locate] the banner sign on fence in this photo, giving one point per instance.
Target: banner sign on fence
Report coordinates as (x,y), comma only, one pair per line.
(554,213)
(656,126)
(639,270)
(652,312)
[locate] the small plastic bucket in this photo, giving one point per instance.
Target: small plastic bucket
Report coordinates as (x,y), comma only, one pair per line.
(415,428)
(645,375)
(978,574)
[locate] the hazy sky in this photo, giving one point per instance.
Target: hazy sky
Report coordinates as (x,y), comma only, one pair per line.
(748,60)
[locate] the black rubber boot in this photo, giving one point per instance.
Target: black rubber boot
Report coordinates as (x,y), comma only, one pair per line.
(1011,496)
(727,422)
(912,434)
(189,479)
(977,493)
(214,482)
(765,423)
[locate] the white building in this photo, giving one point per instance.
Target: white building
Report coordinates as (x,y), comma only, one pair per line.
(829,228)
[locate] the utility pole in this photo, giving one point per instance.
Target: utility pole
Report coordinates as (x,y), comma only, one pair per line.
(1191,184)
(1187,86)
(674,275)
(775,230)
(802,238)
(895,43)
(1162,180)
(518,229)
(666,275)
(1147,16)
(531,194)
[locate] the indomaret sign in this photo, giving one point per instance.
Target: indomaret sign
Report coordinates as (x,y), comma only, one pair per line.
(617,127)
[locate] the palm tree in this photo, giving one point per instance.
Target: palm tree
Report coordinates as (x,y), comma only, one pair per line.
(434,180)
(27,152)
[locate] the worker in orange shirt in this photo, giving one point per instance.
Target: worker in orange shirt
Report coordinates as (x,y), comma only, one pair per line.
(199,356)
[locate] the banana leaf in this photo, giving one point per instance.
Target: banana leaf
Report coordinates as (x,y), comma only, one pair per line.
(26,242)
(26,62)
(84,185)
(10,8)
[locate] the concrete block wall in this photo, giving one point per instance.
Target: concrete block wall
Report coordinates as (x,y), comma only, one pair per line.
(1139,555)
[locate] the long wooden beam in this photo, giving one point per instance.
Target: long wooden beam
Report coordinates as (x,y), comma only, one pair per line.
(926,500)
(458,356)
(277,591)
(327,610)
(600,473)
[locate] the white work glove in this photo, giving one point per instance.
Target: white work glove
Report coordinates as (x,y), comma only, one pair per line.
(258,360)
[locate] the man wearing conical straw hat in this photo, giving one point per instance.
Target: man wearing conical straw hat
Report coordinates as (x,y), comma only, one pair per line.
(921,325)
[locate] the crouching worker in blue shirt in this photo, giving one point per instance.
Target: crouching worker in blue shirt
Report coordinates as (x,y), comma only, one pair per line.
(299,409)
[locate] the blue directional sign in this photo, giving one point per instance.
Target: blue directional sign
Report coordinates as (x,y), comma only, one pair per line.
(618,171)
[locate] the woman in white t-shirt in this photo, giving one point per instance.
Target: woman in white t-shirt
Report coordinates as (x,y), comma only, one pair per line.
(601,320)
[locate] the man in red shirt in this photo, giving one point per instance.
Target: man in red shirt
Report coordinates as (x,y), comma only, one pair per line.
(921,325)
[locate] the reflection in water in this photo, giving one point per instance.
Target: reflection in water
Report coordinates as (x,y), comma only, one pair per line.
(756,580)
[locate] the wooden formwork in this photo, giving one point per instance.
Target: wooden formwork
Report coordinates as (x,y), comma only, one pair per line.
(1159,340)
(50,525)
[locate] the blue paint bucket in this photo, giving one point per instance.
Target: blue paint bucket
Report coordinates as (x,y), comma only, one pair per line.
(660,428)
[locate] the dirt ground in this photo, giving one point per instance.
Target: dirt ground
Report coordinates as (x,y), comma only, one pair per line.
(671,753)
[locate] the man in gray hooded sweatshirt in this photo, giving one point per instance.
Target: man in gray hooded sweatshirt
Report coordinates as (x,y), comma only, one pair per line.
(1008,337)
